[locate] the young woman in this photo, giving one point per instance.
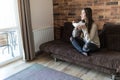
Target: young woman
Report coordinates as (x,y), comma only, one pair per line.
(88,40)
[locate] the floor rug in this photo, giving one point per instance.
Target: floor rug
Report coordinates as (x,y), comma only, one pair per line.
(40,72)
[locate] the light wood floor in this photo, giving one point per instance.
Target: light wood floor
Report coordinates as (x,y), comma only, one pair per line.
(78,71)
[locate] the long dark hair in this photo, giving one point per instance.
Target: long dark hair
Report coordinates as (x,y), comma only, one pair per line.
(88,12)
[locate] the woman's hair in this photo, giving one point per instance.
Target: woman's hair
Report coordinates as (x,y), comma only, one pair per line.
(88,12)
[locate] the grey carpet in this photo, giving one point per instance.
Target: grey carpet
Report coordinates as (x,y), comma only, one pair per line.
(40,72)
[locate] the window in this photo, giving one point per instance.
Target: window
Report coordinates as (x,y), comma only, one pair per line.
(7,14)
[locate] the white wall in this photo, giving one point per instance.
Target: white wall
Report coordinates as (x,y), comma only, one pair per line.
(41,13)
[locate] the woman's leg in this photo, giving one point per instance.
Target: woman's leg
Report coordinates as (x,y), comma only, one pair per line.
(90,47)
(78,45)
(75,32)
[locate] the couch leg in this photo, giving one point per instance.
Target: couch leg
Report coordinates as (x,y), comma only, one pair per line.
(55,59)
(115,77)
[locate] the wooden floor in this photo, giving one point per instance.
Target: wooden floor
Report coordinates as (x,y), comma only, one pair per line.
(78,71)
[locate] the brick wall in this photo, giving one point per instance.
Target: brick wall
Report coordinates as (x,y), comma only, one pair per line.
(103,11)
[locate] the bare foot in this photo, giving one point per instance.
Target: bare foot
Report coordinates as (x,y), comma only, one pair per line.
(84,53)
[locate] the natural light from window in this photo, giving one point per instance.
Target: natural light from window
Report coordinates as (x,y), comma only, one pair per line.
(7,14)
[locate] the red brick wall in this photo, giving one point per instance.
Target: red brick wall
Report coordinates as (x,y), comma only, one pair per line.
(103,11)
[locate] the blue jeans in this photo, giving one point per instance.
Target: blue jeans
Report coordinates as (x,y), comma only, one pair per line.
(81,46)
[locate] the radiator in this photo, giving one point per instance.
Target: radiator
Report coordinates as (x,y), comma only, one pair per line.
(42,35)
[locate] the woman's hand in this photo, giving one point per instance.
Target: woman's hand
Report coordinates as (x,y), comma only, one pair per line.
(83,27)
(73,21)
(79,27)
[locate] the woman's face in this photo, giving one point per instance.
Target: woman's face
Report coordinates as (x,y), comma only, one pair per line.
(83,15)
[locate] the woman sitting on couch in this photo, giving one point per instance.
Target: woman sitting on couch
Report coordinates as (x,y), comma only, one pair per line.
(88,40)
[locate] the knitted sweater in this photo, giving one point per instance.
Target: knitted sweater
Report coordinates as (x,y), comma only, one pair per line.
(89,37)
(92,36)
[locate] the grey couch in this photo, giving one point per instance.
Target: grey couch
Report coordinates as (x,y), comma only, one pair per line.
(107,59)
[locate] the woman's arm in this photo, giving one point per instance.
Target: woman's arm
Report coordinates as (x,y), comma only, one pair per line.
(89,36)
(79,24)
(93,31)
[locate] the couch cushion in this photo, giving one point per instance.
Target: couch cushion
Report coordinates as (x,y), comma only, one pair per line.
(104,58)
(46,47)
(67,31)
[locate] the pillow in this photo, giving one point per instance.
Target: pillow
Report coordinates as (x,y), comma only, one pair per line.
(112,36)
(113,42)
(67,31)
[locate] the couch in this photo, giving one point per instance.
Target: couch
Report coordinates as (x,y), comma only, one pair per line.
(107,59)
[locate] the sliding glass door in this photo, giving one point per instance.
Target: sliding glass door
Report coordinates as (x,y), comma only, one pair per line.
(10,36)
